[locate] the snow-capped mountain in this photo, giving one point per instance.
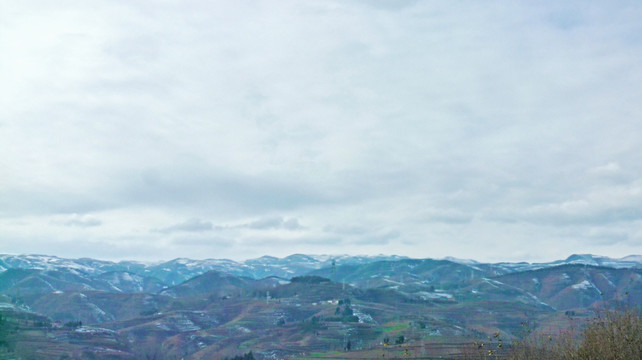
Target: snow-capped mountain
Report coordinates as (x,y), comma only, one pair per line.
(631,261)
(181,269)
(178,270)
(268,298)
(85,265)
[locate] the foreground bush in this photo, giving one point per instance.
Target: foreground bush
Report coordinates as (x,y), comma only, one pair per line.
(618,335)
(614,335)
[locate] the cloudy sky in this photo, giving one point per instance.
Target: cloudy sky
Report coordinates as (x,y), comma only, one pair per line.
(234,129)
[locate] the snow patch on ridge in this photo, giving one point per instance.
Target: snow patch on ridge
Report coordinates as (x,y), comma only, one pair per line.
(584,285)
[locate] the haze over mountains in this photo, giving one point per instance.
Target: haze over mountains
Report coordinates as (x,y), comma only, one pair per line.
(293,306)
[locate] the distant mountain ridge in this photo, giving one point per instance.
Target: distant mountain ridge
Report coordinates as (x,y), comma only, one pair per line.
(178,270)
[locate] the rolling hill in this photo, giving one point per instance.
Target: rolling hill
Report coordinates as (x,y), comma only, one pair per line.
(294,306)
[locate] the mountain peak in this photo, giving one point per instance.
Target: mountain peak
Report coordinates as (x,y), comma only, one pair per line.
(461,261)
(633,258)
(590,258)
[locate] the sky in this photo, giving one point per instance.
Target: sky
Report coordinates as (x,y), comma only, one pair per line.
(497,131)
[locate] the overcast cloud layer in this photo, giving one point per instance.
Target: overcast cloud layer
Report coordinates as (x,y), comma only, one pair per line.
(234,129)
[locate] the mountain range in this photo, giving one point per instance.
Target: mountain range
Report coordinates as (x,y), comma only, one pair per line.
(295,306)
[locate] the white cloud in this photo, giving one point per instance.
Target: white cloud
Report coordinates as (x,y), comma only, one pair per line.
(608,169)
(273,223)
(190,225)
(265,223)
(81,221)
(453,127)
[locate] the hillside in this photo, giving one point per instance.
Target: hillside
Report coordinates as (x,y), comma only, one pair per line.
(94,309)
